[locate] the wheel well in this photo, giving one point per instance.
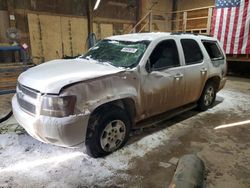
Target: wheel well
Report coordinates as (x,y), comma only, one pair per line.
(215,80)
(127,104)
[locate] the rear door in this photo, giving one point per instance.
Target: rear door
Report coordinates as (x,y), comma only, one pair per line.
(196,69)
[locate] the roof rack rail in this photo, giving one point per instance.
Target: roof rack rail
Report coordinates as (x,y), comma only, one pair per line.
(180,33)
(196,34)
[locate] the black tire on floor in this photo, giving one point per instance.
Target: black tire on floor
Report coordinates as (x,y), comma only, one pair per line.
(7,116)
(106,125)
(207,97)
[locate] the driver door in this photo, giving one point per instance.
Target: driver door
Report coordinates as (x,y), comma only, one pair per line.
(163,86)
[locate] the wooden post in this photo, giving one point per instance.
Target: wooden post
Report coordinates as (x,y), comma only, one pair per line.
(10,5)
(139,7)
(184,26)
(150,21)
(209,20)
(173,15)
(89,16)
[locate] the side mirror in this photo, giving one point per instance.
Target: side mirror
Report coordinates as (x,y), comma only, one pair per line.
(148,66)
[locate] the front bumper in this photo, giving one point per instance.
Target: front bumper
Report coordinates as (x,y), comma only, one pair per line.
(66,131)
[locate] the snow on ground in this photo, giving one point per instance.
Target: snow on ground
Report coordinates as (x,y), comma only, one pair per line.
(26,162)
(21,154)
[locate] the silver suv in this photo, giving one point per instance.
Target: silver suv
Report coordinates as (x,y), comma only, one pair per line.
(97,98)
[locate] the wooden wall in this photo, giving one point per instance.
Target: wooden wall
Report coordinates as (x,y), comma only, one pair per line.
(58,28)
(54,37)
(4,25)
(190,4)
(160,18)
(197,20)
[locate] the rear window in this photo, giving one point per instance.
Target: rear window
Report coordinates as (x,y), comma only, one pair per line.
(213,50)
(192,51)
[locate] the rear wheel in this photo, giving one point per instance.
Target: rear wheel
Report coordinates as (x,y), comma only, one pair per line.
(207,97)
(107,132)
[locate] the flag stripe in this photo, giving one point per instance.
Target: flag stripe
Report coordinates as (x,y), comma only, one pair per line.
(230,32)
(237,35)
(248,42)
(246,32)
(242,29)
(220,24)
(223,34)
(217,22)
(227,28)
(213,21)
(234,30)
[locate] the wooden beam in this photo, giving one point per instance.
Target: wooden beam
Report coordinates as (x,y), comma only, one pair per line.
(173,16)
(89,16)
(197,18)
(209,20)
(150,21)
(184,28)
(139,9)
(194,9)
(111,20)
(10,6)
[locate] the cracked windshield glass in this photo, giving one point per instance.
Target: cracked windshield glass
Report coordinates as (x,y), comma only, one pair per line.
(117,53)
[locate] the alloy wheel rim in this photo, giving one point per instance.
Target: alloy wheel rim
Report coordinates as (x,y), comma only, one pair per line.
(113,135)
(209,96)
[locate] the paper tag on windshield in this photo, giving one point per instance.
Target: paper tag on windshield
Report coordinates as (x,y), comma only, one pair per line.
(129,50)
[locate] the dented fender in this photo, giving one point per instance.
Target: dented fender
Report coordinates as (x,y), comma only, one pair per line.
(94,93)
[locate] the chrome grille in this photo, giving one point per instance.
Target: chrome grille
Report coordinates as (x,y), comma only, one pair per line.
(26,105)
(27,91)
(25,96)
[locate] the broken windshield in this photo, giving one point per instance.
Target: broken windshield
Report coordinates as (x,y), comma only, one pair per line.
(118,53)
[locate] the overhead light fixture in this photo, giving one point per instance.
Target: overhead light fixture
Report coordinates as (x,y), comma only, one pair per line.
(97,4)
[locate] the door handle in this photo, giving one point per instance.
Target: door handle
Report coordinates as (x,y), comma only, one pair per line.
(178,76)
(203,70)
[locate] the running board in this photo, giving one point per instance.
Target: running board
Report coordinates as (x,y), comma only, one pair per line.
(163,117)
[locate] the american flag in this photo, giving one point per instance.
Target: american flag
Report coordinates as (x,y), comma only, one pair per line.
(230,24)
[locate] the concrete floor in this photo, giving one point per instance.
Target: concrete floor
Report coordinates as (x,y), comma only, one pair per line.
(148,160)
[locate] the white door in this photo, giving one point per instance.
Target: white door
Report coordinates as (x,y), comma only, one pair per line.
(163,86)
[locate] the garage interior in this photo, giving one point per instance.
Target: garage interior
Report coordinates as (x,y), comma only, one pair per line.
(33,32)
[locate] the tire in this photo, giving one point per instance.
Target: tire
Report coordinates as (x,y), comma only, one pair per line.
(207,97)
(108,131)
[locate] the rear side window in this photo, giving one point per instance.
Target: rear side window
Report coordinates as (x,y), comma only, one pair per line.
(192,51)
(213,50)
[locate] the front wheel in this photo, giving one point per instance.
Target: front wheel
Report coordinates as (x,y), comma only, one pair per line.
(110,132)
(207,97)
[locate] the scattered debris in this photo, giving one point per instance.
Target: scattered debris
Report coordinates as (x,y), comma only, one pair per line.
(174,161)
(13,127)
(164,165)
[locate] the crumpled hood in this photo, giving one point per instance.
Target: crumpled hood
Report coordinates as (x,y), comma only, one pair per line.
(50,77)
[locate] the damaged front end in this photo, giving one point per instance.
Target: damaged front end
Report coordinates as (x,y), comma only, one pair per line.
(49,118)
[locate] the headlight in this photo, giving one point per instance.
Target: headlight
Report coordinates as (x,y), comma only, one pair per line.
(58,106)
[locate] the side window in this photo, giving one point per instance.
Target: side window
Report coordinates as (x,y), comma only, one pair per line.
(213,50)
(192,51)
(165,55)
